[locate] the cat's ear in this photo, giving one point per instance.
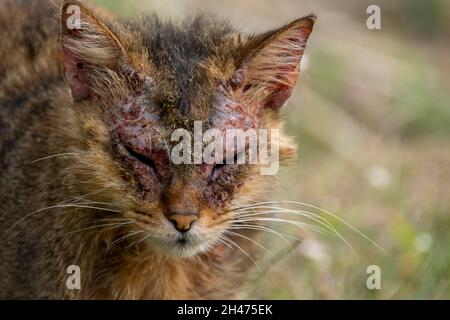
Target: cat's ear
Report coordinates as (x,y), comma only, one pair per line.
(89,49)
(271,64)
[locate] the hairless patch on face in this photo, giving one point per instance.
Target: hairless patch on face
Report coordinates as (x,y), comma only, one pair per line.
(230,113)
(138,143)
(225,180)
(136,127)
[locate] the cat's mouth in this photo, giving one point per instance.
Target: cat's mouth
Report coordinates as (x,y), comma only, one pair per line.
(186,246)
(182,239)
(172,241)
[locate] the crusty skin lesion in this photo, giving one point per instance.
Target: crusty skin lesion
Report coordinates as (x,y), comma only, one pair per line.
(166,77)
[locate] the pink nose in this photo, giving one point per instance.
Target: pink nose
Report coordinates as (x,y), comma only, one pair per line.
(182,222)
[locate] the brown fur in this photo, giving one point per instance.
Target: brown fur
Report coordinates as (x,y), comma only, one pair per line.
(184,67)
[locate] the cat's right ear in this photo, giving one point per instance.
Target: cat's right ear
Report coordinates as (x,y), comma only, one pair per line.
(89,49)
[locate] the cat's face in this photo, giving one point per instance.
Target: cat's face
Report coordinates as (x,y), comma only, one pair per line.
(129,104)
(182,205)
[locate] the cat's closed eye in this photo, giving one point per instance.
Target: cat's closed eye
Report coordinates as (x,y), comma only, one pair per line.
(141,158)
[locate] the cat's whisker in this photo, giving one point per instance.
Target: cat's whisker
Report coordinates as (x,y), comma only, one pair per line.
(306,214)
(263,205)
(54,207)
(91,207)
(251,206)
(319,219)
(83,196)
(258,227)
(126,236)
(112,225)
(135,243)
(339,219)
(111,219)
(54,156)
(302,225)
(259,206)
(331,227)
(106,220)
(222,241)
(249,239)
(102,203)
(225,238)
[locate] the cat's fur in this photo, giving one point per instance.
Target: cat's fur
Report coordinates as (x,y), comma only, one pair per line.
(170,76)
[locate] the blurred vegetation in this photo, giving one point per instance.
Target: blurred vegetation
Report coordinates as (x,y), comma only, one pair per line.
(372,117)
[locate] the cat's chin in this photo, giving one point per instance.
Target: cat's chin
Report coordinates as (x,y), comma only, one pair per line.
(185,251)
(182,250)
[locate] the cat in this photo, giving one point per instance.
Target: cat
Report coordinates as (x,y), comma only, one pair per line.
(87,105)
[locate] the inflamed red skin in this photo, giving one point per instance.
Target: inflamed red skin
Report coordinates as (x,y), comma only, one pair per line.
(139,142)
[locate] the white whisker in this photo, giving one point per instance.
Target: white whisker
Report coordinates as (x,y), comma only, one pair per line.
(310,215)
(53,207)
(306,214)
(126,236)
(114,225)
(53,156)
(249,239)
(139,241)
(302,225)
(225,238)
(339,219)
(283,236)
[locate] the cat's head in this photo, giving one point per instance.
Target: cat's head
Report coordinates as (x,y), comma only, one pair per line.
(135,84)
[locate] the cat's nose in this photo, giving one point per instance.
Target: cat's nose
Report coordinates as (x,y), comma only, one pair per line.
(182,222)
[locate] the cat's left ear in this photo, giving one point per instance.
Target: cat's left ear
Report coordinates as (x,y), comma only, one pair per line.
(271,64)
(91,52)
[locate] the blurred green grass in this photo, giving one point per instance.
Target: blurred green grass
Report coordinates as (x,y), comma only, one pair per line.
(372,118)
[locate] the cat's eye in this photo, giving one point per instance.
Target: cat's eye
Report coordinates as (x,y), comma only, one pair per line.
(142,159)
